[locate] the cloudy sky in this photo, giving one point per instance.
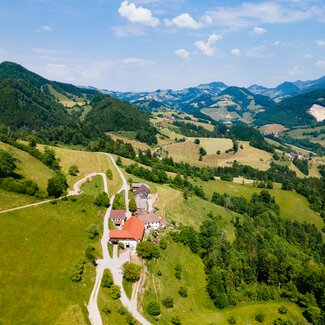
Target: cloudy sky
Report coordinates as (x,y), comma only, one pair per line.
(151,44)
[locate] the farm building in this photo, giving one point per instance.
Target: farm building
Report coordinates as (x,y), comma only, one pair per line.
(131,233)
(150,219)
(141,195)
(118,217)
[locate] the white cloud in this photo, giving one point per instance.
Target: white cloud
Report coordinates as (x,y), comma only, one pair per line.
(257,51)
(45,29)
(295,71)
(136,61)
(258,31)
(123,31)
(235,52)
(320,42)
(320,64)
(183,53)
(307,56)
(207,47)
(267,12)
(58,71)
(183,21)
(137,14)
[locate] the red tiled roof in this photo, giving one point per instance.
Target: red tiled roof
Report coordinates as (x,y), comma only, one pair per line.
(133,229)
(117,214)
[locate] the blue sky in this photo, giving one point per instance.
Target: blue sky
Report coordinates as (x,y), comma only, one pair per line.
(151,44)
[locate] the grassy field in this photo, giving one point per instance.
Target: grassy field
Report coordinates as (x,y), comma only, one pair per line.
(212,145)
(28,166)
(65,101)
(272,128)
(87,162)
(292,205)
(136,144)
(197,308)
(41,245)
(93,187)
(11,200)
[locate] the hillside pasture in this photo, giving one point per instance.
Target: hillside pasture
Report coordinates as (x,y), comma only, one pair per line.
(87,162)
(28,166)
(41,246)
(64,100)
(136,144)
(273,128)
(212,145)
(10,200)
(197,307)
(292,205)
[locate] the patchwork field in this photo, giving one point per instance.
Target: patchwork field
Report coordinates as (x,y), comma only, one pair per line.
(292,205)
(300,133)
(197,308)
(41,246)
(28,166)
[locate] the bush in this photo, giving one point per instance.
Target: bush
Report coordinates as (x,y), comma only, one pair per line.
(107,280)
(283,310)
(77,271)
(102,199)
(131,271)
(168,302)
(90,252)
(153,308)
(145,250)
(176,320)
(106,309)
(197,141)
(92,231)
(182,292)
(7,164)
(109,174)
(260,317)
(57,185)
(231,320)
(178,271)
(115,292)
(73,170)
(163,243)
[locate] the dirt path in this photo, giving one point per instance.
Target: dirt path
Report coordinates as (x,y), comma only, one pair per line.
(114,264)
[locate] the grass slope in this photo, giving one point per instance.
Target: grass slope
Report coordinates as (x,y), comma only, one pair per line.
(292,205)
(28,166)
(87,162)
(42,244)
(10,200)
(197,308)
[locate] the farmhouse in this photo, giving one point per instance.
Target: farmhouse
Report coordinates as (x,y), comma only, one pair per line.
(141,195)
(118,217)
(151,220)
(131,233)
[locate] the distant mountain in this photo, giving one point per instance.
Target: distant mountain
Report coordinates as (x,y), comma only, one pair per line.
(288,89)
(295,111)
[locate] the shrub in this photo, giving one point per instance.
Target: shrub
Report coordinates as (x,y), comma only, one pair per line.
(92,231)
(182,292)
(260,317)
(90,252)
(122,310)
(73,170)
(153,308)
(109,174)
(107,280)
(77,271)
(168,302)
(231,320)
(106,309)
(115,292)
(163,243)
(176,320)
(7,163)
(102,199)
(197,141)
(178,271)
(131,272)
(282,310)
(57,185)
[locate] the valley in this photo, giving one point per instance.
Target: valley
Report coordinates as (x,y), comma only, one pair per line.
(235,201)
